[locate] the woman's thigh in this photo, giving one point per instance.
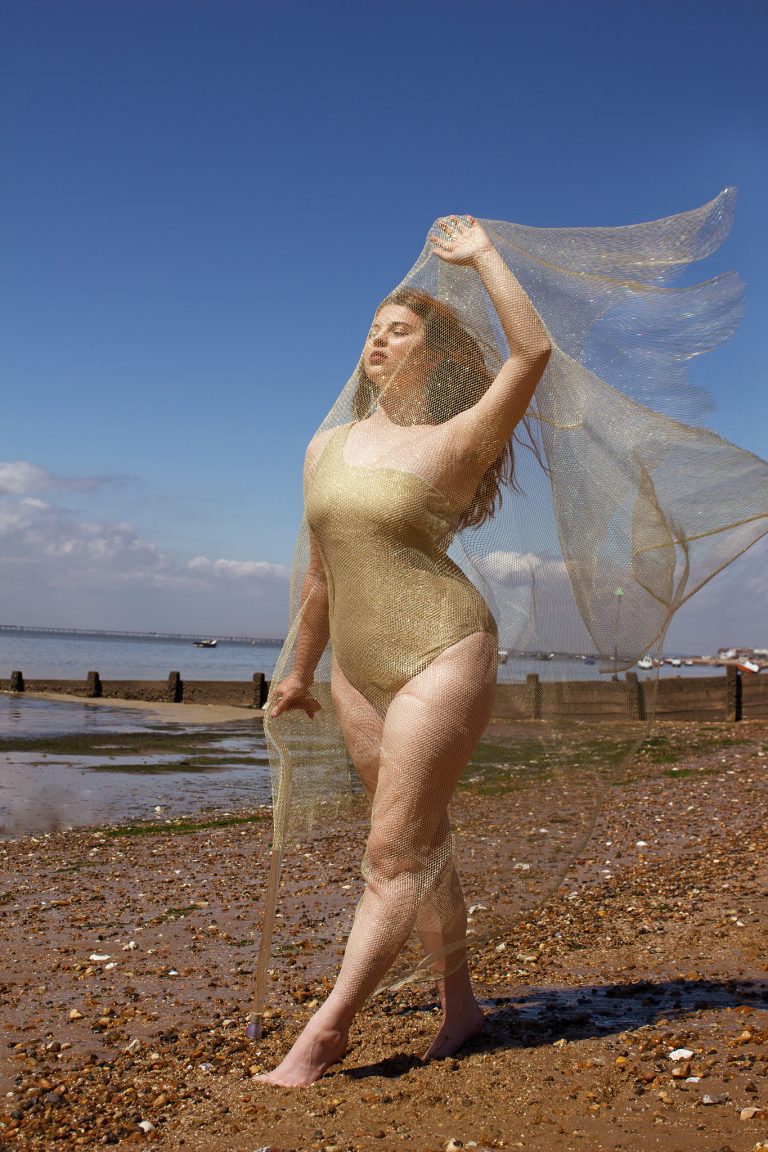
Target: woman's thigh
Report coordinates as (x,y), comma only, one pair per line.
(361,726)
(429,733)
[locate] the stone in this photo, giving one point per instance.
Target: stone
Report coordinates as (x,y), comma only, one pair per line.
(682,1071)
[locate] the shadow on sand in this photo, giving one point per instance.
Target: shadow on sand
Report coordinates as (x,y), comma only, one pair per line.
(540,1015)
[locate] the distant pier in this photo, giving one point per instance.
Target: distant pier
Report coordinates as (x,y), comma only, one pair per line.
(114,632)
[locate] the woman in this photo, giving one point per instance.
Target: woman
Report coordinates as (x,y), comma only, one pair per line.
(415,646)
(633,512)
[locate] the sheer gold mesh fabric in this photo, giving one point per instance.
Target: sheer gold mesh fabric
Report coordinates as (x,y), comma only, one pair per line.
(623,510)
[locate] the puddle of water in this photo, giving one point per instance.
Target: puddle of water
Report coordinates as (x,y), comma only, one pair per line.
(58,794)
(41,792)
(24,718)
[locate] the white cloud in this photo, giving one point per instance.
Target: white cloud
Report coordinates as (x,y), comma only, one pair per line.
(504,566)
(19,477)
(732,609)
(238,569)
(57,568)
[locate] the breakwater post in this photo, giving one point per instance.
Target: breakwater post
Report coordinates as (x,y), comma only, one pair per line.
(635,697)
(733,693)
(533,685)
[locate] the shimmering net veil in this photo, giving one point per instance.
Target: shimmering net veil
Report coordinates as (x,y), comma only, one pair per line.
(621,509)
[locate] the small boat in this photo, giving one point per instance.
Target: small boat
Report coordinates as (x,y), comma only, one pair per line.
(503,655)
(205,643)
(645,662)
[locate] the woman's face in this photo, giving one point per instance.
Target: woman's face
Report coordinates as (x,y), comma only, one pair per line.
(396,346)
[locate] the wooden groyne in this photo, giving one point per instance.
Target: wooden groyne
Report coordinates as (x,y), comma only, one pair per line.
(732,696)
(239,693)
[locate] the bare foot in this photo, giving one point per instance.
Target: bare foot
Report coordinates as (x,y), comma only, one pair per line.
(456,1030)
(313,1053)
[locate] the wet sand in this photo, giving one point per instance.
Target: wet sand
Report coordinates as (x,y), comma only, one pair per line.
(179,713)
(129,958)
(71,763)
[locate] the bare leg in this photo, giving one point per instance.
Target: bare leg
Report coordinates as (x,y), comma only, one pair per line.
(442,926)
(427,737)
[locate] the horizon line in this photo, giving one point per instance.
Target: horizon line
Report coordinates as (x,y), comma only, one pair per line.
(148,634)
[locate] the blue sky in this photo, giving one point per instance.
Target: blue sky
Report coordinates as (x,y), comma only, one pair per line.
(203,202)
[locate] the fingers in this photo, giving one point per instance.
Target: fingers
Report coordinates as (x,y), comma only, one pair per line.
(285,702)
(452,229)
(452,226)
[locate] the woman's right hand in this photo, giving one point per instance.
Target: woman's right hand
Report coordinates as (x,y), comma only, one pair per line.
(293,693)
(460,240)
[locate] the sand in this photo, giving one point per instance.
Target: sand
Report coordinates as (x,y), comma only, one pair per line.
(176,713)
(129,962)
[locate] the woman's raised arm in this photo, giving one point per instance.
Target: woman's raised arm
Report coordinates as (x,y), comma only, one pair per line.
(489,424)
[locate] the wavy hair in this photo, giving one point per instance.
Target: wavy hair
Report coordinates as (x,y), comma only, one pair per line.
(455,384)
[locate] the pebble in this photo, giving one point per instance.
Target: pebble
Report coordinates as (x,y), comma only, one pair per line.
(682,1071)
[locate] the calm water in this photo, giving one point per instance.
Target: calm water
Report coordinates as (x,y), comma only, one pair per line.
(133,658)
(26,718)
(45,791)
(130,658)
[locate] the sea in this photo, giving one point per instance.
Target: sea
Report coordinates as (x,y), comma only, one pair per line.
(71,656)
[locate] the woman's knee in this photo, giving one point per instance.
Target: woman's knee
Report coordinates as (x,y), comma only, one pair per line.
(425,856)
(387,861)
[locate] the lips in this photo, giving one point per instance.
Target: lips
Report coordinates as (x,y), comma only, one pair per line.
(377,357)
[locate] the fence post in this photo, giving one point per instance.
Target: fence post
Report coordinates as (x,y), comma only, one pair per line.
(259,693)
(635,697)
(175,688)
(94,685)
(733,693)
(17,682)
(534,695)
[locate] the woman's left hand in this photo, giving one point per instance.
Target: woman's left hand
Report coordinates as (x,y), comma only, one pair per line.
(459,239)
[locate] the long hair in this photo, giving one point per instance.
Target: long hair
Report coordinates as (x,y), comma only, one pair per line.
(457,383)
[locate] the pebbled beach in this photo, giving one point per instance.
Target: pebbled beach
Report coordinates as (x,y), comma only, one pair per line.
(628,1011)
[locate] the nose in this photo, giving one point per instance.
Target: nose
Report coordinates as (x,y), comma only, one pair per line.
(380,339)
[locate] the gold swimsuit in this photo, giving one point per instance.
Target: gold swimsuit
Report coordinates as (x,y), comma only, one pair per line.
(396,600)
